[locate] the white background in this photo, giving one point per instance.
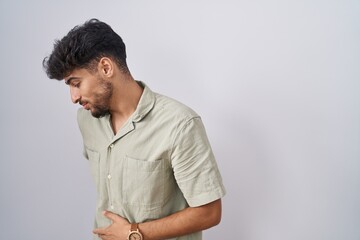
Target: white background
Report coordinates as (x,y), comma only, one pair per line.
(277,84)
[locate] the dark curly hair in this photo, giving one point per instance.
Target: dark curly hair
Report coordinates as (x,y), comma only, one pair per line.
(83,47)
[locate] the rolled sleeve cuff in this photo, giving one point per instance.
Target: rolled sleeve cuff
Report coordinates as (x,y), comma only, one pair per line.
(206,197)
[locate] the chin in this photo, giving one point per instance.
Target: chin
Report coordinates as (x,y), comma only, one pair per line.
(98,114)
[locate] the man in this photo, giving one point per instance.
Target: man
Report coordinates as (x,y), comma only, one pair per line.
(154,169)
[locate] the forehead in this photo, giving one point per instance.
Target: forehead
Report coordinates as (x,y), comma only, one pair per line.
(77,74)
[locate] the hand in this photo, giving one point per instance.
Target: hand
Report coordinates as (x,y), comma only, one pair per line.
(118,230)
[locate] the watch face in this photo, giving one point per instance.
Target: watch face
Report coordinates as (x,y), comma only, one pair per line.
(135,236)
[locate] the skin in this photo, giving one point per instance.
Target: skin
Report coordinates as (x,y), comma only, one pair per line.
(111,90)
(186,221)
(87,88)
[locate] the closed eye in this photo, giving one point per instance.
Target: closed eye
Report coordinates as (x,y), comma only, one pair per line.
(73,81)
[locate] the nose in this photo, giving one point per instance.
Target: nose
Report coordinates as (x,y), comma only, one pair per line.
(75,95)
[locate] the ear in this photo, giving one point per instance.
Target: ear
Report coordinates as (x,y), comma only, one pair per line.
(106,67)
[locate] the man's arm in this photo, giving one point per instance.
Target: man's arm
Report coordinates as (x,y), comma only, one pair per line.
(186,221)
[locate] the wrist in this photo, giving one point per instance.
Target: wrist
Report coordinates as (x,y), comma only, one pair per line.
(134,232)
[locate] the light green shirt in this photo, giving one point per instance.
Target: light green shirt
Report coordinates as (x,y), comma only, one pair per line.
(160,161)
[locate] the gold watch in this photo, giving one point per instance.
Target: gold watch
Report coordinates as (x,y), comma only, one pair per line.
(134,233)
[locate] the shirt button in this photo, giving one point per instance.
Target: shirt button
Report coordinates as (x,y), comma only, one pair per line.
(111,145)
(112,207)
(109,176)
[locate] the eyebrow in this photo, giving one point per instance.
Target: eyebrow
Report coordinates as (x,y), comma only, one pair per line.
(67,81)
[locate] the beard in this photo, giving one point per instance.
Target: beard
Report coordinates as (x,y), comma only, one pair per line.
(100,106)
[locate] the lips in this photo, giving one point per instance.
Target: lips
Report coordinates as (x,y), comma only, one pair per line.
(85,105)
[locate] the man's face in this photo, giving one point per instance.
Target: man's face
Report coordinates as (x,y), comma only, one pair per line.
(91,91)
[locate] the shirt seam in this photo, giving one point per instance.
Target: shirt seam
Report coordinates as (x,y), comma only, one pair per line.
(186,124)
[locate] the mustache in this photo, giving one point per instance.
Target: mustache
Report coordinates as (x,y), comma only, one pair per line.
(82,103)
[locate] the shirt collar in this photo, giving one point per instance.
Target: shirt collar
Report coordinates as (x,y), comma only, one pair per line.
(146,103)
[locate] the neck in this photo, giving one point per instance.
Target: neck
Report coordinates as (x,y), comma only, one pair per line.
(125,98)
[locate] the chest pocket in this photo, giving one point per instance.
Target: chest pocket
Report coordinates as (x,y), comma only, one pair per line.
(143,183)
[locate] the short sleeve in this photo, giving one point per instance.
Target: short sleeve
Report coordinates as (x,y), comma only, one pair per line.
(194,165)
(80,120)
(85,154)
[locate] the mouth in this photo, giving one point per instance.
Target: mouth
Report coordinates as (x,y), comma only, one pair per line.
(85,105)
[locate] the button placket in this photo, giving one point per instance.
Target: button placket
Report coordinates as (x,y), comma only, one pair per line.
(111,202)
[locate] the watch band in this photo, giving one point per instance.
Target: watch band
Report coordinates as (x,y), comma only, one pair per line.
(134,227)
(134,232)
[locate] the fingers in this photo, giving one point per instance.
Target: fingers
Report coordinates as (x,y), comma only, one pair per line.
(115,228)
(100,231)
(112,216)
(115,218)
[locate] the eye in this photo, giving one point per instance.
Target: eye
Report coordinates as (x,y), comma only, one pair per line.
(77,84)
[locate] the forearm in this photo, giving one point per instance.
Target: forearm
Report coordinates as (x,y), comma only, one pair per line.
(184,222)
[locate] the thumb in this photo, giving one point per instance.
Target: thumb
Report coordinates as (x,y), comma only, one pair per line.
(112,216)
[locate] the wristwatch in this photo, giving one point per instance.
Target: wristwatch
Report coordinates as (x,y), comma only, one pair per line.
(134,233)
